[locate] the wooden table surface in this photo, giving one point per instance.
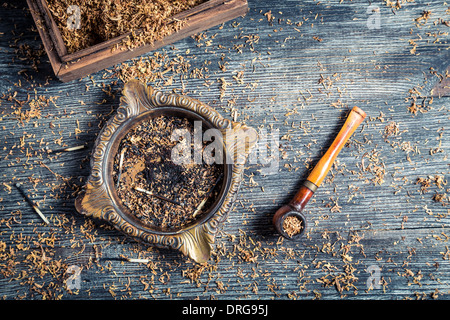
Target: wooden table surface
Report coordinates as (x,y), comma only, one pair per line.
(378,225)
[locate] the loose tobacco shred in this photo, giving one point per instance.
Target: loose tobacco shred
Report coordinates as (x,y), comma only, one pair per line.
(292,225)
(102,20)
(159,192)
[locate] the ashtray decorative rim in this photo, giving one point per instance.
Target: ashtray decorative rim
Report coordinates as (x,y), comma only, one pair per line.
(99,200)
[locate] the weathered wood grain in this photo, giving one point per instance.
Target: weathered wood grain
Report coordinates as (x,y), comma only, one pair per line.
(370,212)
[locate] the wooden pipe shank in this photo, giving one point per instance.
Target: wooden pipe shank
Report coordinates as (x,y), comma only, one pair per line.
(302,197)
(321,169)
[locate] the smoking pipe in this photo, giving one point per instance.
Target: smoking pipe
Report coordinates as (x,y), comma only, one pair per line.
(295,206)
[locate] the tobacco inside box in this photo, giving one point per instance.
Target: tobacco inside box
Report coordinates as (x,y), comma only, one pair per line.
(159,192)
(102,20)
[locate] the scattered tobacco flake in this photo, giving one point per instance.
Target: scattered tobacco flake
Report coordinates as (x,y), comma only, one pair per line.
(392,129)
(442,198)
(427,182)
(376,166)
(424,17)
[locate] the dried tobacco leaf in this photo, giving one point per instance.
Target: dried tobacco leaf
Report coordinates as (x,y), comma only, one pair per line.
(102,20)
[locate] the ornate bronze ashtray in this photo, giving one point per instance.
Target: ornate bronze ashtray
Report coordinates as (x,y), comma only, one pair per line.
(102,200)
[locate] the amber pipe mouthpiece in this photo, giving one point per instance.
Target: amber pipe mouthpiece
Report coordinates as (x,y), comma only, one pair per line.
(289,220)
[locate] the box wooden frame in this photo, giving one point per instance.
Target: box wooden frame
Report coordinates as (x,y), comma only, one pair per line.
(71,66)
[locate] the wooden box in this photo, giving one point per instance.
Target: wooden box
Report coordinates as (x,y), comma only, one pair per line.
(79,64)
